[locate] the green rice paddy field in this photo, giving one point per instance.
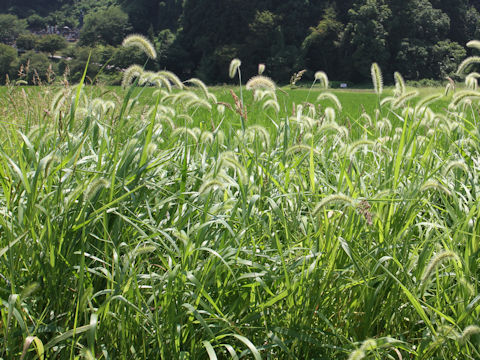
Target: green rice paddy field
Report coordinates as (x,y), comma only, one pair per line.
(158,223)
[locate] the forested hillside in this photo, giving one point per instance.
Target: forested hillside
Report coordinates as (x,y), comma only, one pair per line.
(419,38)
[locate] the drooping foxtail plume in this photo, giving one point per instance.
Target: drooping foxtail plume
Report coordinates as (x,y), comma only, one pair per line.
(435,185)
(200,84)
(302,148)
(234,66)
(405,97)
(260,82)
(455,164)
(271,104)
(429,100)
(355,146)
(322,77)
(356,355)
(131,73)
(95,187)
(142,43)
(332,199)
(467,62)
(465,94)
(261,132)
(468,332)
(171,77)
(330,114)
(436,261)
(386,100)
(471,81)
(474,44)
(332,97)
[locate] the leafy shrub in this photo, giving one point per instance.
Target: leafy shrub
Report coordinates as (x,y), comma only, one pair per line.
(8,59)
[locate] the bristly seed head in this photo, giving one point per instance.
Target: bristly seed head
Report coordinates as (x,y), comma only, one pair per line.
(142,43)
(260,82)
(377,78)
(261,69)
(322,78)
(234,67)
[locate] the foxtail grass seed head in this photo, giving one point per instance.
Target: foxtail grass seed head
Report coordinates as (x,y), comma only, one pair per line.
(466,63)
(301,148)
(469,331)
(260,82)
(206,137)
(355,146)
(229,160)
(471,81)
(95,187)
(47,162)
(131,73)
(322,77)
(170,77)
(461,96)
(455,164)
(369,345)
(211,185)
(261,69)
(221,109)
(377,78)
(330,114)
(334,198)
(358,354)
(400,101)
(435,185)
(400,86)
(271,104)
(448,89)
(429,100)
(260,131)
(474,44)
(184,131)
(366,119)
(386,100)
(200,84)
(435,262)
(165,120)
(211,97)
(142,43)
(332,97)
(199,103)
(234,67)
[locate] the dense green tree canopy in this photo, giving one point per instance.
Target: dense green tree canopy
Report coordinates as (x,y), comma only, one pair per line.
(106,26)
(26,41)
(8,57)
(366,36)
(320,47)
(11,27)
(420,38)
(51,43)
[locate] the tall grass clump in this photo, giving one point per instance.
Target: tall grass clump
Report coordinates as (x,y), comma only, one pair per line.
(147,222)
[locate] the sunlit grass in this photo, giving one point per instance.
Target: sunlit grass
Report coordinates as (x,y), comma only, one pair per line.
(186,224)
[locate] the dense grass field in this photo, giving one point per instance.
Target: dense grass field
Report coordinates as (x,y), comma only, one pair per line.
(182,222)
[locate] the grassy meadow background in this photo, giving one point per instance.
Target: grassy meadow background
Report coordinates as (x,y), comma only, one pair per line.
(179,222)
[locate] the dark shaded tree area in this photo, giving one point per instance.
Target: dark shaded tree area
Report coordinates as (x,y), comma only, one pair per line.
(419,38)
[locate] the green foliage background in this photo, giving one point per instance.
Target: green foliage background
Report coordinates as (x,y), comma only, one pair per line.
(419,38)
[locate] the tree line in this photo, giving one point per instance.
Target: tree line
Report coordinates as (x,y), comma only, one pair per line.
(422,39)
